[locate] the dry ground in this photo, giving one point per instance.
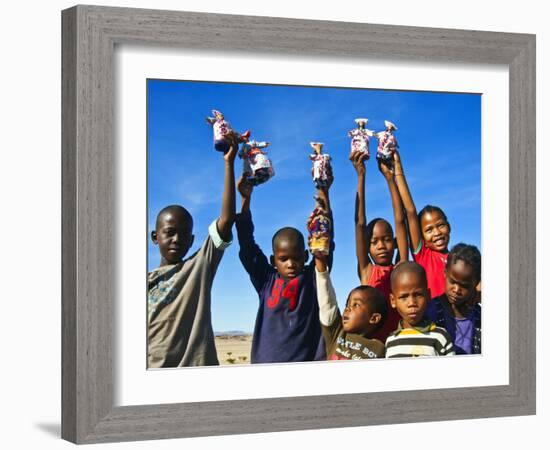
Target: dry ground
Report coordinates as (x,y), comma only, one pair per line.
(233,349)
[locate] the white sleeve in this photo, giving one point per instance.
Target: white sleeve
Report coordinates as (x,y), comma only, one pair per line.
(219,243)
(328,308)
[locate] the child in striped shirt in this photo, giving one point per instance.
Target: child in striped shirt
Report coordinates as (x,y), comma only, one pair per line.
(415,335)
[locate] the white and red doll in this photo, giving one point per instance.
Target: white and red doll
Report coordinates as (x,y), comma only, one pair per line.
(222,132)
(257,167)
(322,169)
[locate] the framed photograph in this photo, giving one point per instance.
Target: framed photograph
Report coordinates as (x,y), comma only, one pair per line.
(135,86)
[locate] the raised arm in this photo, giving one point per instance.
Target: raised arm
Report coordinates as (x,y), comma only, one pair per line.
(245,189)
(328,306)
(253,259)
(361,238)
(398,214)
(227,215)
(415,232)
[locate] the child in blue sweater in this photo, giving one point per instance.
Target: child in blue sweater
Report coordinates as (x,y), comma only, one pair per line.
(287,325)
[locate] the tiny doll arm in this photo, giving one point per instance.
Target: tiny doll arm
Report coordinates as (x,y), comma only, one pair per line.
(211,120)
(398,215)
(415,233)
(227,215)
(261,144)
(361,239)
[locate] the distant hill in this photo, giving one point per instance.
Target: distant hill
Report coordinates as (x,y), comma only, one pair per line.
(231,333)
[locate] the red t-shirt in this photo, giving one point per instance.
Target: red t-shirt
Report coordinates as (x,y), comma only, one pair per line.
(434,265)
(380,279)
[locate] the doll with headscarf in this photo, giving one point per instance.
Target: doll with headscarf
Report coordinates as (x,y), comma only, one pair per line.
(223,132)
(360,138)
(319,229)
(387,143)
(322,169)
(257,167)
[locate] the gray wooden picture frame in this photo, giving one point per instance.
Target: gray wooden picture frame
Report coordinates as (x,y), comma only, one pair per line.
(90,34)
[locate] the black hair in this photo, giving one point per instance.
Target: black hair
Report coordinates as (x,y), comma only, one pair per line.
(376,300)
(289,234)
(178,209)
(408,267)
(469,254)
(432,209)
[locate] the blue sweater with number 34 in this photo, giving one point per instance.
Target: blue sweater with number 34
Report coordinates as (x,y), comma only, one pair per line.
(287,325)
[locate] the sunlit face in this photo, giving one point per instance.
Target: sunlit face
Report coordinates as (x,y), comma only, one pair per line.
(435,231)
(174,236)
(460,283)
(358,316)
(382,244)
(289,258)
(410,297)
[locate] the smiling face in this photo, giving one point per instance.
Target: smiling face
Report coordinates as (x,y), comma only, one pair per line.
(435,231)
(410,297)
(382,243)
(358,315)
(173,235)
(460,283)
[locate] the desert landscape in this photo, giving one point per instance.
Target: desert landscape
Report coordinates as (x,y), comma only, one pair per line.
(233,347)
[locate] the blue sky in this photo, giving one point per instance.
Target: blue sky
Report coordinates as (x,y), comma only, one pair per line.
(439,135)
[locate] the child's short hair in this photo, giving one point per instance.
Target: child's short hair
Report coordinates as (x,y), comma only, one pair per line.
(408,267)
(432,209)
(467,253)
(376,300)
(290,234)
(177,209)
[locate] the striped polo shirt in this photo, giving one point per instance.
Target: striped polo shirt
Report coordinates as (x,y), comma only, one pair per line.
(426,339)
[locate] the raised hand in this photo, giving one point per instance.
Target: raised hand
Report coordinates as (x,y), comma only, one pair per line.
(358,161)
(244,187)
(387,172)
(229,157)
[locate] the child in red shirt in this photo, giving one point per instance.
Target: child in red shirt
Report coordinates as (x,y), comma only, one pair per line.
(375,242)
(429,234)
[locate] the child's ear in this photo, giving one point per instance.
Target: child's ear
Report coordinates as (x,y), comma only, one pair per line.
(272,260)
(306,256)
(154,237)
(191,240)
(375,318)
(392,300)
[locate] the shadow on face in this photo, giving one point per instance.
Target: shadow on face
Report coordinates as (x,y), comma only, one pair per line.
(289,254)
(173,234)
